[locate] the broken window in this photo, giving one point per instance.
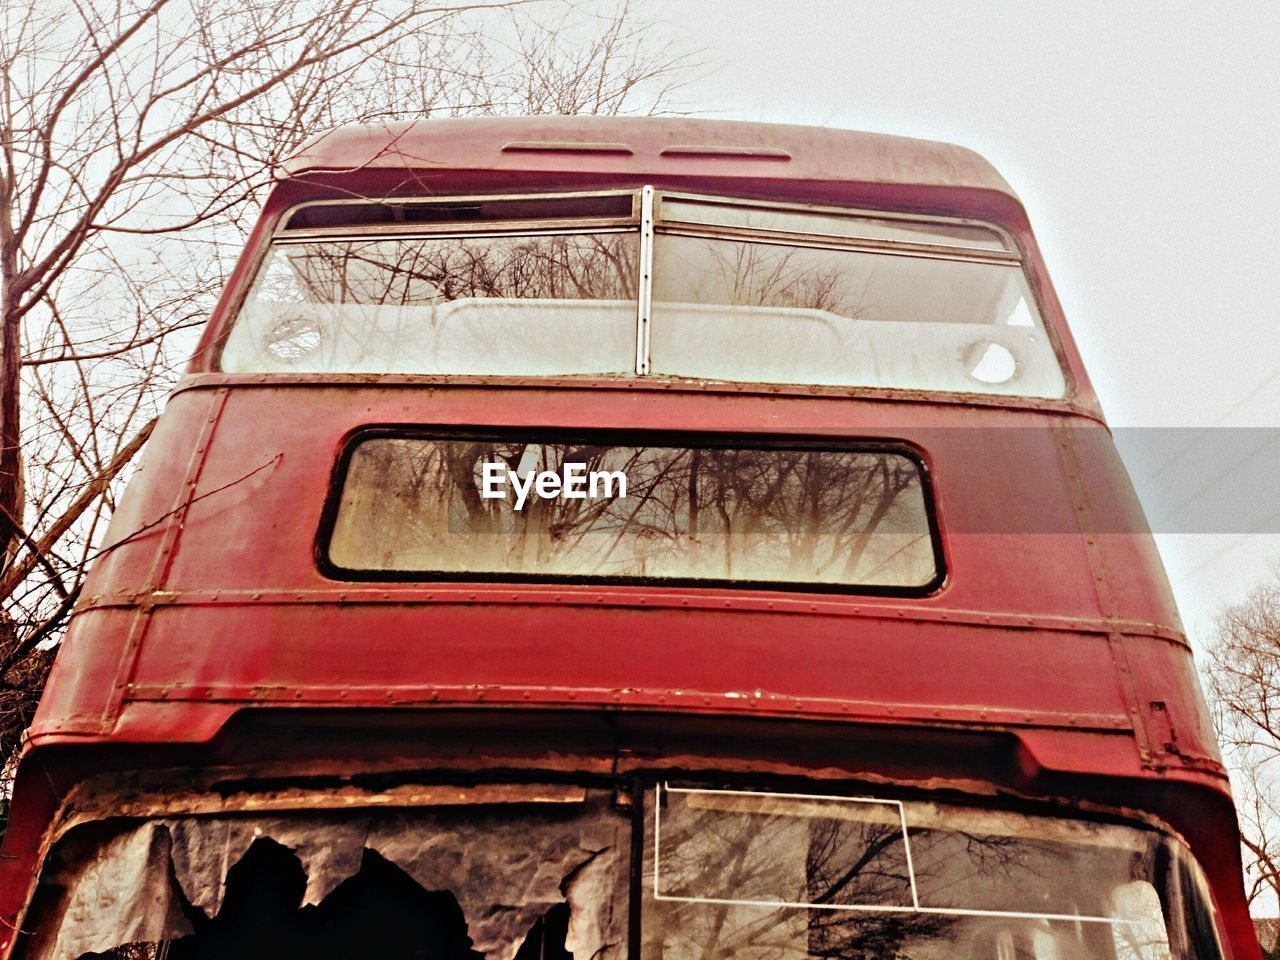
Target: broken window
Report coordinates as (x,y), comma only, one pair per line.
(725,874)
(508,882)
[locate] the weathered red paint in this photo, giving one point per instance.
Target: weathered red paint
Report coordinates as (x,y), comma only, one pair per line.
(1049,664)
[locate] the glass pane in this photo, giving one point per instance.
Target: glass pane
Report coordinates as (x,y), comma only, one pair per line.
(745,847)
(770,313)
(544,305)
(593,508)
(915,232)
(763,877)
(492,210)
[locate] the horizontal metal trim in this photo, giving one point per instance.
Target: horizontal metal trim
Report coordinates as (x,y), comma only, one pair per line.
(413,594)
(659,384)
(682,700)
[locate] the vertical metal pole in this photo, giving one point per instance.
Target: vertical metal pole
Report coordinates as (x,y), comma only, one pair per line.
(634,942)
(645,298)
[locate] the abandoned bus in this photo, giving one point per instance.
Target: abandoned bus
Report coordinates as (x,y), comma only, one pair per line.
(628,540)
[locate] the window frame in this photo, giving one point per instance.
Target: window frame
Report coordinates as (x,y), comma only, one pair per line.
(329,514)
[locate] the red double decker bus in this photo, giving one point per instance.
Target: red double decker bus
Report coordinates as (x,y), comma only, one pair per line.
(628,540)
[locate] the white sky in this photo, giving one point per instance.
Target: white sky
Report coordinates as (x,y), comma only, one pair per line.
(1144,140)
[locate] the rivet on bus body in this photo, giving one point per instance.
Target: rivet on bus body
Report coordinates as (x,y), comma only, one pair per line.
(257,596)
(662,699)
(435,695)
(525,695)
(799,705)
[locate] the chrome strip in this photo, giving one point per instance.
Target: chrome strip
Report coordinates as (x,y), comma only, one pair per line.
(645,293)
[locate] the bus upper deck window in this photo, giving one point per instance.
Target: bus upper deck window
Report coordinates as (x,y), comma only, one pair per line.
(551,287)
(535,286)
(749,294)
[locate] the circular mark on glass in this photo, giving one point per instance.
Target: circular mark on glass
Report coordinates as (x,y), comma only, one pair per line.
(292,338)
(990,362)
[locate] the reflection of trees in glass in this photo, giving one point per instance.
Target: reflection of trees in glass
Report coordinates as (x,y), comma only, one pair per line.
(822,855)
(401,272)
(839,860)
(780,514)
(543,305)
(753,274)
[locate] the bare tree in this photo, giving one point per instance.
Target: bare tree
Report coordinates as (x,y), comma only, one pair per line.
(136,139)
(1244,679)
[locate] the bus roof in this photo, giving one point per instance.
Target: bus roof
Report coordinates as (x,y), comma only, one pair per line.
(648,145)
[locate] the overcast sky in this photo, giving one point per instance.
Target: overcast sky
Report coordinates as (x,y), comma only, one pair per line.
(1144,140)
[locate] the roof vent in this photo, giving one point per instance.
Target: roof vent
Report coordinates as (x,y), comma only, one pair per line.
(565,146)
(728,153)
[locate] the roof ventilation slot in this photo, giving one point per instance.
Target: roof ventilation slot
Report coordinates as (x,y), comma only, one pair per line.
(566,146)
(727,153)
